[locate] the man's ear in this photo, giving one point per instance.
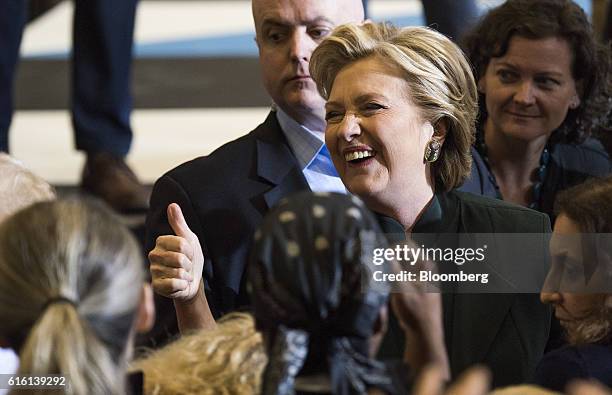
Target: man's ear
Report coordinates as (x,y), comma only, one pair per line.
(256,39)
(145,317)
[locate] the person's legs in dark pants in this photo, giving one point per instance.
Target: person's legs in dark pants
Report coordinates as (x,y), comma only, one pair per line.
(101,101)
(13,15)
(451,17)
(102,54)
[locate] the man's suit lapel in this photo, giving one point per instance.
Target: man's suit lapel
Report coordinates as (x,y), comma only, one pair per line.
(276,163)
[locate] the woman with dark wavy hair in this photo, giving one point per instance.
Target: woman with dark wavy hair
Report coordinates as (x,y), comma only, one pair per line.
(579,286)
(545,89)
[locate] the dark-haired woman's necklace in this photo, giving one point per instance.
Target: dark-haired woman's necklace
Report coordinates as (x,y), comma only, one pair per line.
(541,172)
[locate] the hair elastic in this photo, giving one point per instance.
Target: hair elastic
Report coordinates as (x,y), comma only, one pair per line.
(59,299)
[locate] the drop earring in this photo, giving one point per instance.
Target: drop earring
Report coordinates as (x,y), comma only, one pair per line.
(432,151)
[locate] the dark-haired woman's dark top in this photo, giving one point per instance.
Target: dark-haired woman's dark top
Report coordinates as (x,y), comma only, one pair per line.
(566,165)
(590,361)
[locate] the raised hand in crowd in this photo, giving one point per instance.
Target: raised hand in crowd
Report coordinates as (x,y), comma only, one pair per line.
(176,268)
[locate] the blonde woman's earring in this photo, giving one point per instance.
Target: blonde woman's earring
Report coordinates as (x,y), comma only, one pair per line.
(432,151)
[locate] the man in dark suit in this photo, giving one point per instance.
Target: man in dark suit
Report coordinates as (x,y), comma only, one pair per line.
(221,198)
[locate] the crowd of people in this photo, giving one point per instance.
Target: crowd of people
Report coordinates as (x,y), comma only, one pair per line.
(260,253)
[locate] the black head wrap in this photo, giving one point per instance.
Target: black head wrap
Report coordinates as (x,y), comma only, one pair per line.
(312,294)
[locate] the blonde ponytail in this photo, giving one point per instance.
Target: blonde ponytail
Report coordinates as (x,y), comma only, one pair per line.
(70,278)
(60,342)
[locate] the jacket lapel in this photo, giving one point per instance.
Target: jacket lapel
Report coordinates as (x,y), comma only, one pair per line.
(476,317)
(276,163)
(476,321)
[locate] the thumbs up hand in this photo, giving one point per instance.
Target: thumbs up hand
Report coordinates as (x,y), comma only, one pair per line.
(177,261)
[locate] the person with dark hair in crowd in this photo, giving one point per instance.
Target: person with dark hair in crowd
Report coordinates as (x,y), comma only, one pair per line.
(400,111)
(579,286)
(320,311)
(103,33)
(545,88)
(70,300)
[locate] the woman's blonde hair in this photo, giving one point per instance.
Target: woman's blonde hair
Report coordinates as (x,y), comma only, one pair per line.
(523,389)
(70,276)
(227,360)
(439,76)
(19,187)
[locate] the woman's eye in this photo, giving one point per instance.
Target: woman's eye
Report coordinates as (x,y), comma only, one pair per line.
(331,116)
(507,76)
(547,83)
(373,106)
